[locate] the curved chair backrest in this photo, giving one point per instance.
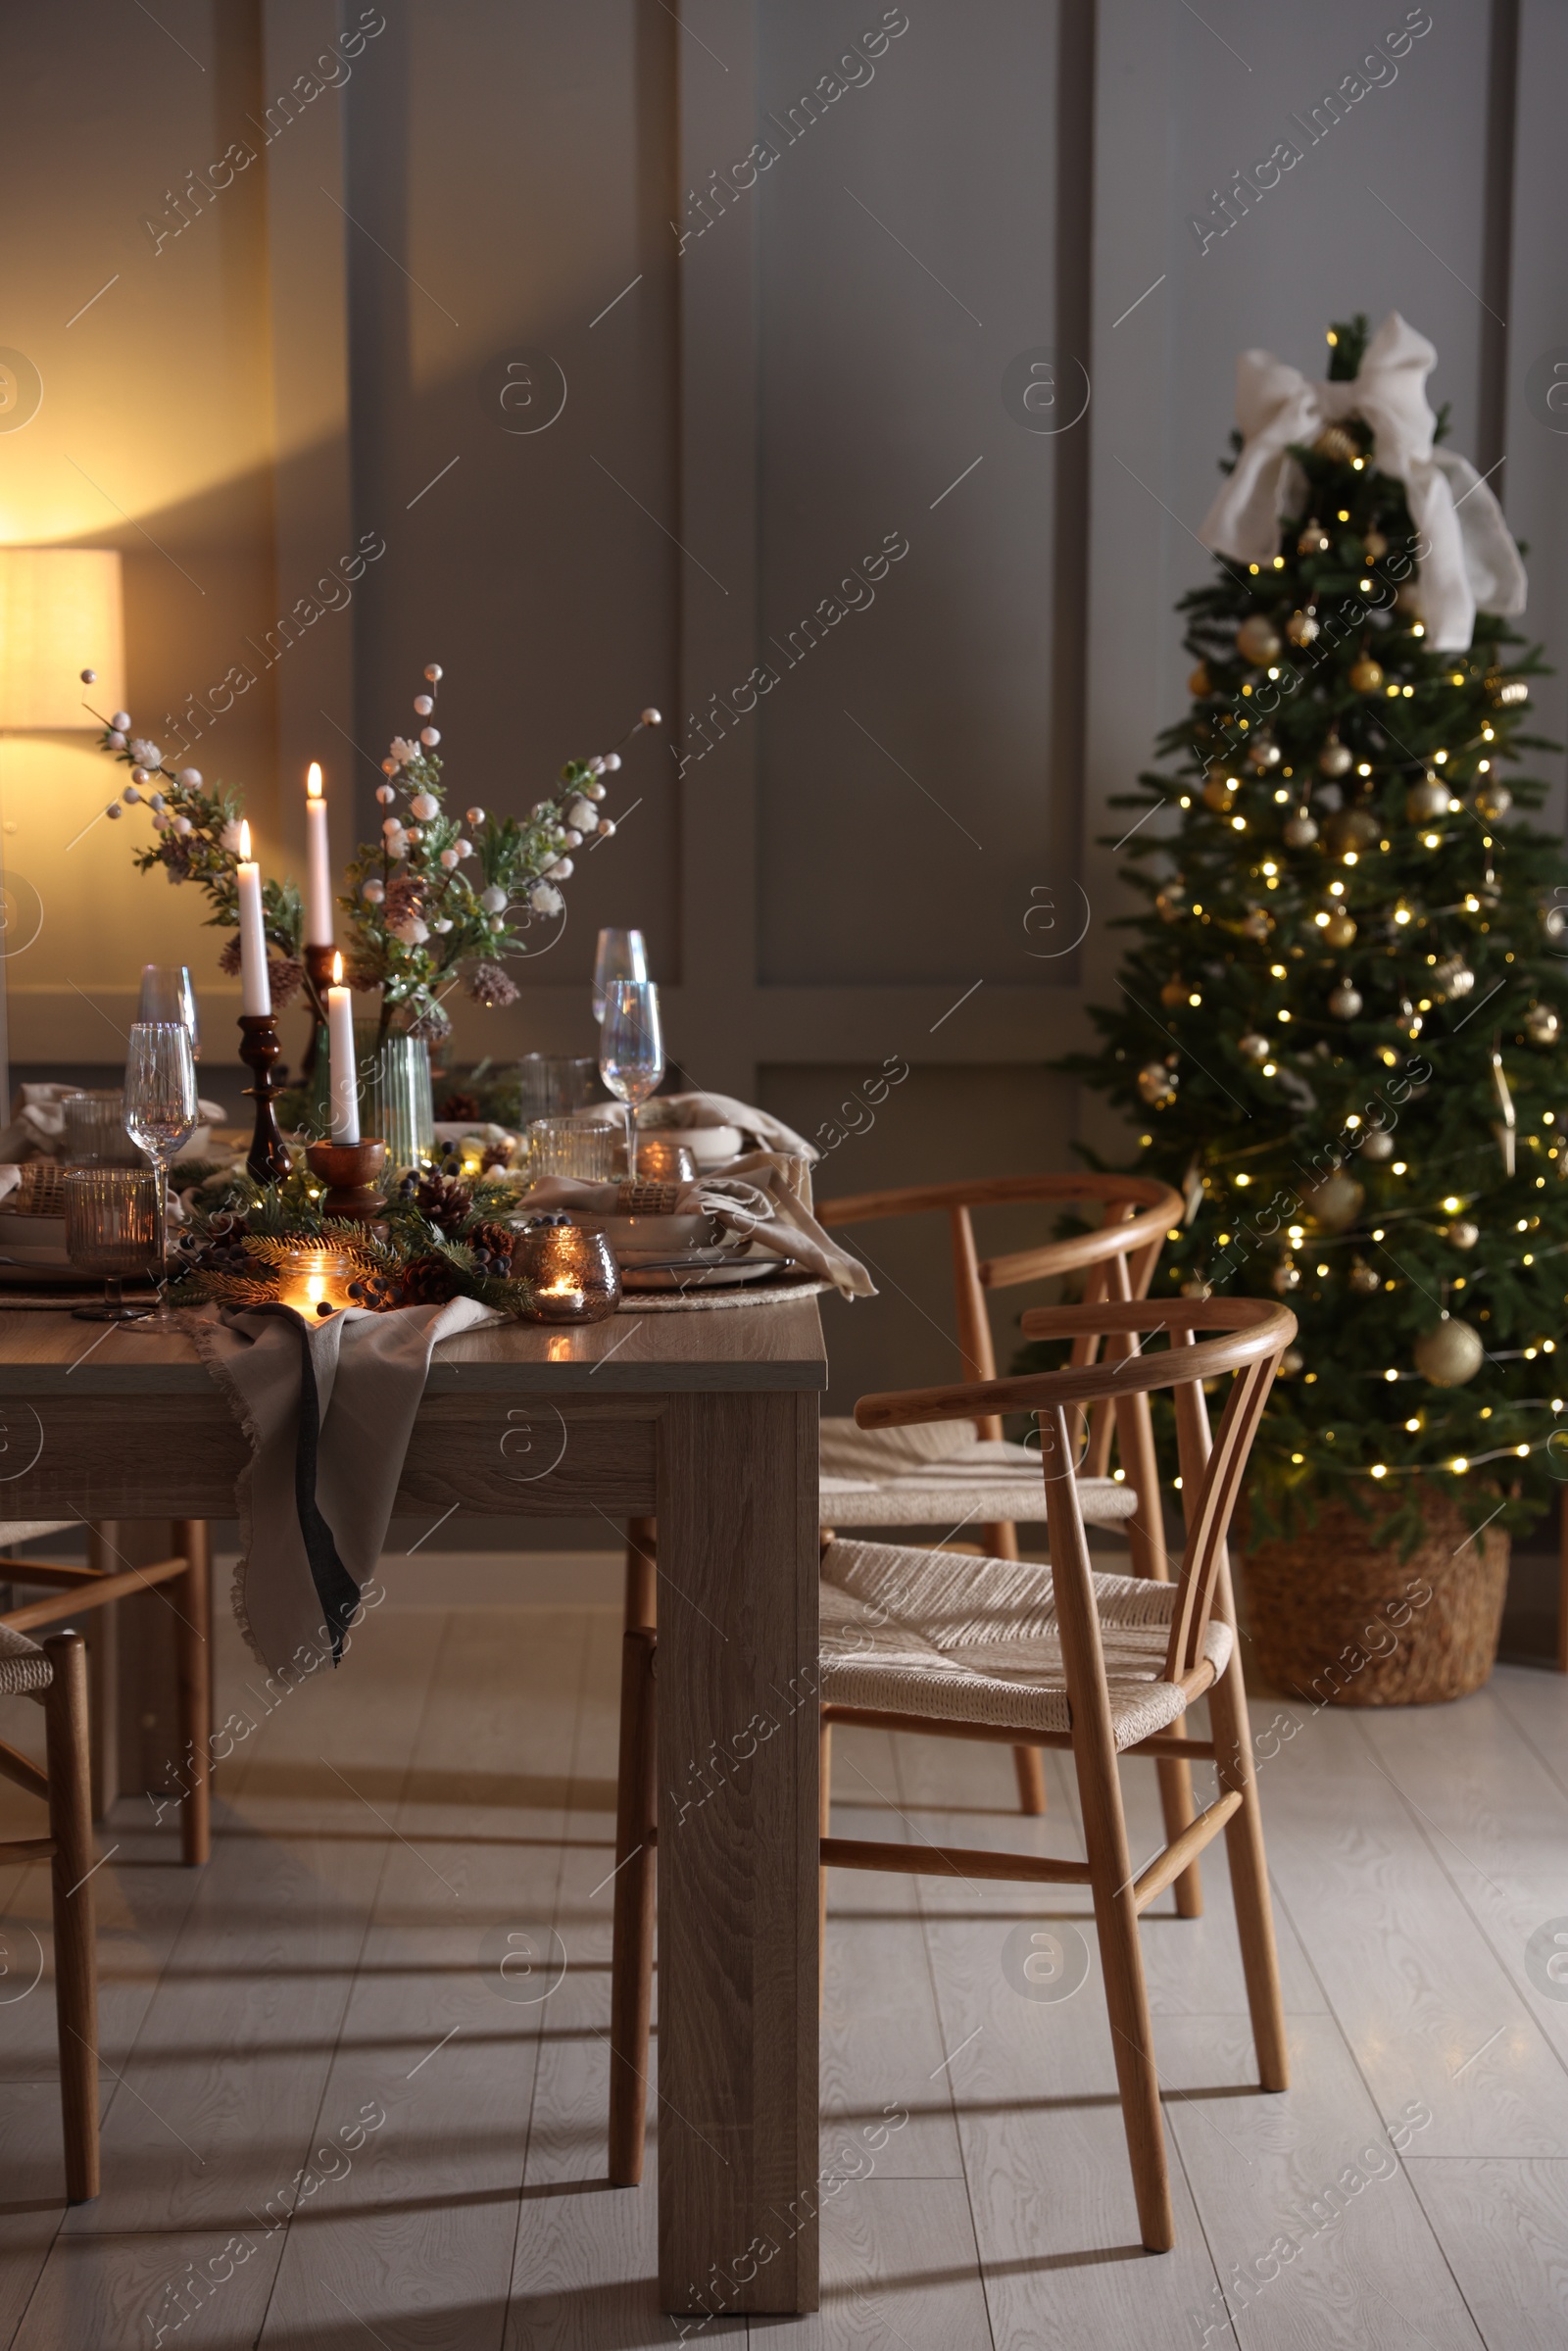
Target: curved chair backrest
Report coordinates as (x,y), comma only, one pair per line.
(1250,1334)
(1124,1250)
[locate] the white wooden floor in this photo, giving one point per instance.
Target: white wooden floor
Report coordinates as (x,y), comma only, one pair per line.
(325,1994)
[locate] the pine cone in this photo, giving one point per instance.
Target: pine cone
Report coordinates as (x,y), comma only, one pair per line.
(456,1109)
(443,1200)
(405,898)
(492,1245)
(285,978)
(430,1282)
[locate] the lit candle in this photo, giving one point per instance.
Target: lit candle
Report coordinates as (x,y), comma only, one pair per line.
(318,863)
(340,1044)
(257,993)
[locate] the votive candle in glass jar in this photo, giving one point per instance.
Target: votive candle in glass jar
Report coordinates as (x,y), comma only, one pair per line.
(574,1270)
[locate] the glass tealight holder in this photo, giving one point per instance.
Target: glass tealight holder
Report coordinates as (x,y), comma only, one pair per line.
(113,1220)
(575,1272)
(665,1159)
(316,1281)
(95,1130)
(573,1147)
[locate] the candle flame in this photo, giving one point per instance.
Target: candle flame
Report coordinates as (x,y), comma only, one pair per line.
(244,843)
(312,781)
(338,969)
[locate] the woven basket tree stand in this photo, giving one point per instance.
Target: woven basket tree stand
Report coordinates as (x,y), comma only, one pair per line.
(1337,1618)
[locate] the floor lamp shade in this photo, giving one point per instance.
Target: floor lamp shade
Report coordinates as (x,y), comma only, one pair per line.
(60,613)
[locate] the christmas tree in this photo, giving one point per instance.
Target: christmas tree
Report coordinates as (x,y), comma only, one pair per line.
(1340,1023)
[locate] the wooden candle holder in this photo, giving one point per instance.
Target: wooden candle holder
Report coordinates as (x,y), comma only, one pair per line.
(269,1158)
(349,1170)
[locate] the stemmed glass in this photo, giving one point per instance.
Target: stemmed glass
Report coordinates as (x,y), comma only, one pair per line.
(166,994)
(619,956)
(161,1113)
(631,1051)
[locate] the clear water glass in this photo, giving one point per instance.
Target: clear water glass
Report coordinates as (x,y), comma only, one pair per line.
(95,1130)
(573,1147)
(631,1051)
(166,994)
(549,1085)
(112,1227)
(619,956)
(161,1107)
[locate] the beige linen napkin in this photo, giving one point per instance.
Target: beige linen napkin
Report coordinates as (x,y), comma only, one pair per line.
(752,1199)
(663,1113)
(328,1410)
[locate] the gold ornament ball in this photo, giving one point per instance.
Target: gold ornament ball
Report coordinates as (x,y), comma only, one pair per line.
(1200,684)
(1452,977)
(1426,800)
(1301,830)
(1345,1001)
(1256,641)
(1334,759)
(1379,1144)
(1291,1362)
(1554,921)
(1542,1025)
(1335,1203)
(1157,1085)
(1494,801)
(1340,929)
(1168,904)
(1365,1278)
(1336,444)
(1314,540)
(1287,1276)
(1301,627)
(1218,794)
(1375,544)
(1175,991)
(1367,675)
(1263,754)
(1252,1046)
(1257,923)
(1351,828)
(1462,1233)
(1450,1355)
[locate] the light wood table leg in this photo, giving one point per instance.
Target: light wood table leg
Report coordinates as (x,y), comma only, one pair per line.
(738,1873)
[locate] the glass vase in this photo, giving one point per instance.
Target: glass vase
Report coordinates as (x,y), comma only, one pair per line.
(396,1101)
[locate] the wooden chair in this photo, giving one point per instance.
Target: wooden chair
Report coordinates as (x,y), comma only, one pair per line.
(1055,1657)
(56,1676)
(874,1477)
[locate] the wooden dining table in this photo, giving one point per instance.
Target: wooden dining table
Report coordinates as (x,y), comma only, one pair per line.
(707,1419)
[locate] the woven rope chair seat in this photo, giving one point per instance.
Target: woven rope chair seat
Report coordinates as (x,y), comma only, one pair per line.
(939,1474)
(963,1639)
(23,1665)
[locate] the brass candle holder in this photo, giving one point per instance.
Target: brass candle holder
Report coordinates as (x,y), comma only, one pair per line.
(574,1270)
(268,1160)
(349,1172)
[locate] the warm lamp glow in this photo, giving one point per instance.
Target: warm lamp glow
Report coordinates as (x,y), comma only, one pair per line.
(60,613)
(312,781)
(244,843)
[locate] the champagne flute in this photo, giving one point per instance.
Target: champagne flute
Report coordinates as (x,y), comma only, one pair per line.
(161,1113)
(619,956)
(166,994)
(631,1051)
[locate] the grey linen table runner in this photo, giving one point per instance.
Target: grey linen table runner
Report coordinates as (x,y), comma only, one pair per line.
(327,1409)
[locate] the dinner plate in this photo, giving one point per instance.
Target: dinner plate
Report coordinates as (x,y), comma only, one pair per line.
(688,1276)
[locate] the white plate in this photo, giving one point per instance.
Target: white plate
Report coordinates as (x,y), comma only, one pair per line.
(663,1235)
(701,1277)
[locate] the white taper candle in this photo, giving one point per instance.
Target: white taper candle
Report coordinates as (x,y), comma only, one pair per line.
(318,863)
(256,989)
(340,1047)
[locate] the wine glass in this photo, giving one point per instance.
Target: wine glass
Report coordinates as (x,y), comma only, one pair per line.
(631,1051)
(160,1113)
(619,956)
(166,994)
